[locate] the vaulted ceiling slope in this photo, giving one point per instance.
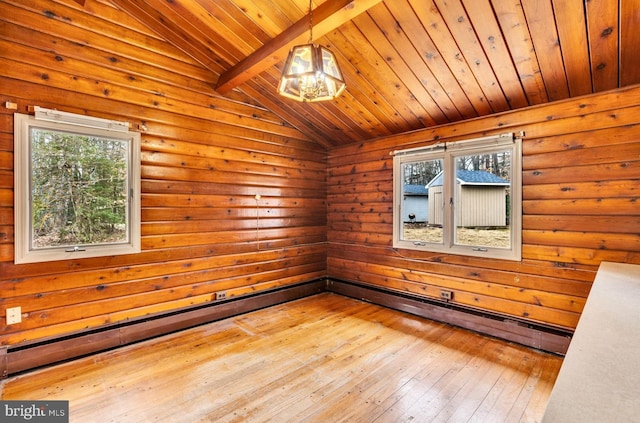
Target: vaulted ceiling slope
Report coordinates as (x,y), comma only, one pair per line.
(408,64)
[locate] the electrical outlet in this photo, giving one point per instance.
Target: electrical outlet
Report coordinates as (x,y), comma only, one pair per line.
(14,315)
(222,295)
(446,295)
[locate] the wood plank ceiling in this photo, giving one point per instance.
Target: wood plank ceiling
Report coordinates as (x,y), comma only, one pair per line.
(408,64)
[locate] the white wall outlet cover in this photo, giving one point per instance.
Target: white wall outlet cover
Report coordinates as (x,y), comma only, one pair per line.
(14,315)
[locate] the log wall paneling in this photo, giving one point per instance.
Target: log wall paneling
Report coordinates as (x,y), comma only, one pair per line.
(581,181)
(204,158)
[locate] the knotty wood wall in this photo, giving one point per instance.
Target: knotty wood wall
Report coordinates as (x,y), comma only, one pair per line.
(204,158)
(581,182)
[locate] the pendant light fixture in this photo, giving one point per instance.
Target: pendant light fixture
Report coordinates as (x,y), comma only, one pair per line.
(311,72)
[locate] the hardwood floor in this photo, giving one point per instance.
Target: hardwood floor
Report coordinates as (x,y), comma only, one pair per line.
(325,358)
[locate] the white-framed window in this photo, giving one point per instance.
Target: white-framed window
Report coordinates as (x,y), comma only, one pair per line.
(461,197)
(76,188)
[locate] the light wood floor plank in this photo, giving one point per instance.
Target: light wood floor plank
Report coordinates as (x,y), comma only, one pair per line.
(325,358)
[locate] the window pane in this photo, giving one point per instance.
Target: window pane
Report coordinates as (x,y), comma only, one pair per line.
(460,198)
(78,186)
(482,200)
(422,203)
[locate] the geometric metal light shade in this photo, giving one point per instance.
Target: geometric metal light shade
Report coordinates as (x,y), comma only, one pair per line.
(311,73)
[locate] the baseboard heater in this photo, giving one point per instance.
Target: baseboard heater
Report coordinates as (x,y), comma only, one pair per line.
(14,360)
(536,336)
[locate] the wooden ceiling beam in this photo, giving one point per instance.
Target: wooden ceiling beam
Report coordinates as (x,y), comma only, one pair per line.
(326,17)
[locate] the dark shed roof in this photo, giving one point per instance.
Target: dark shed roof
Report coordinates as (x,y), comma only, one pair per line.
(472,177)
(415,190)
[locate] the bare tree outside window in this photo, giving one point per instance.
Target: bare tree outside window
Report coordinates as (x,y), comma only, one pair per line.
(78,188)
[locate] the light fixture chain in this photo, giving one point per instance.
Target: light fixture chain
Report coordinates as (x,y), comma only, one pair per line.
(310,22)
